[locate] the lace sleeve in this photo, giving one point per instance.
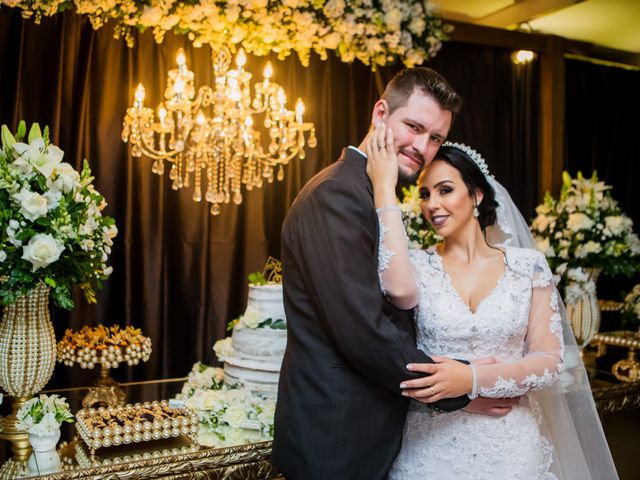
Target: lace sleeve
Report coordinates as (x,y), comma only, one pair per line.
(541,363)
(397,277)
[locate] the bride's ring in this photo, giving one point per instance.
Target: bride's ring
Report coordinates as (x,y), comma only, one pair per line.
(379,147)
(433,392)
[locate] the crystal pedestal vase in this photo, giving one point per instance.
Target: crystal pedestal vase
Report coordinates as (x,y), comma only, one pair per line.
(27,357)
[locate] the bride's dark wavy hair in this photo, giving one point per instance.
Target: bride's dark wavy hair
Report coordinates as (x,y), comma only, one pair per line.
(475,181)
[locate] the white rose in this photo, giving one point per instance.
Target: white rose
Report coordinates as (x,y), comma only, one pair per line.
(545,247)
(579,221)
(634,243)
(417,25)
(66,178)
(223,348)
(393,19)
(618,224)
(87,244)
(587,248)
(53,199)
(196,402)
(268,412)
(32,204)
(3,257)
(235,415)
(541,222)
(211,400)
(250,319)
(42,250)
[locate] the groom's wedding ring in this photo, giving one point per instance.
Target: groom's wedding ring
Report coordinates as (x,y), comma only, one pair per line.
(433,392)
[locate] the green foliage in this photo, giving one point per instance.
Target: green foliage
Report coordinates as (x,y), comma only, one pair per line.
(257,278)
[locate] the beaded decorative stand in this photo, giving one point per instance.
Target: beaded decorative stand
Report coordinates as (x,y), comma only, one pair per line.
(107,347)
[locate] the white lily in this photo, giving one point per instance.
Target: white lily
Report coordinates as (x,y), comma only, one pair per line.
(36,154)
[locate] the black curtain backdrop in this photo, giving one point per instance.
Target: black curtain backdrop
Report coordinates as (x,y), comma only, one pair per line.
(179,273)
(603,134)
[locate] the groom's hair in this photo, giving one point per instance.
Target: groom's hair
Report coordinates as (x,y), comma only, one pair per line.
(427,81)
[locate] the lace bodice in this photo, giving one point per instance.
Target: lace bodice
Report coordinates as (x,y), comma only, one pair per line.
(517,323)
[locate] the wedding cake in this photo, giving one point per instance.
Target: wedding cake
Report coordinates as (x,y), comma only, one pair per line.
(253,354)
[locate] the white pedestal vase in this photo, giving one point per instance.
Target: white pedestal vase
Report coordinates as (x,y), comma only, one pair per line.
(45,458)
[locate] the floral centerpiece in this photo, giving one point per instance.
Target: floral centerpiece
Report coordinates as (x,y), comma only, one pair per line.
(420,233)
(631,307)
(51,223)
(43,415)
(228,415)
(376,33)
(585,229)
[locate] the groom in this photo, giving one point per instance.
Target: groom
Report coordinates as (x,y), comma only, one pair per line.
(340,411)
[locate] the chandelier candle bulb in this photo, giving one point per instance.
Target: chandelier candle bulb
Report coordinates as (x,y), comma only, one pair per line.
(241,59)
(268,72)
(181,58)
(299,110)
(139,96)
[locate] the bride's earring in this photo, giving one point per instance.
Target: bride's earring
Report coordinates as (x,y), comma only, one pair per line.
(476,212)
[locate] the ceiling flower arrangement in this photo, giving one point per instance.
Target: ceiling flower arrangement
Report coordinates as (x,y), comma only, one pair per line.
(375,32)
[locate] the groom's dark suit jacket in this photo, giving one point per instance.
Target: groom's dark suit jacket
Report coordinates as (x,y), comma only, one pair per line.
(340,412)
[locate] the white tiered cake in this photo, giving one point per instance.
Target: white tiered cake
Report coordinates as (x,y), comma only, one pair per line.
(258,342)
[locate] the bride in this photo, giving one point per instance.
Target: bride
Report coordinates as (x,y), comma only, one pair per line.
(478,295)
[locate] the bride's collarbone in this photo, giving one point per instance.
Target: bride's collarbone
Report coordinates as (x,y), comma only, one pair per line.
(475,282)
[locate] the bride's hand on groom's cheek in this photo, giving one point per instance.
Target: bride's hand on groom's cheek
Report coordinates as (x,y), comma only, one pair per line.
(446,378)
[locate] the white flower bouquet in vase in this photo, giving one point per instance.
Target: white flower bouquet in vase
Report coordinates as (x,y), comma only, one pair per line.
(53,237)
(585,233)
(42,417)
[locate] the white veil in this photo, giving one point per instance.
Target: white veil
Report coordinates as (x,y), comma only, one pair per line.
(569,417)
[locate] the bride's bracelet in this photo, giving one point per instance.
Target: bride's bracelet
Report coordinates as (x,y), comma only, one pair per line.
(388,208)
(474,382)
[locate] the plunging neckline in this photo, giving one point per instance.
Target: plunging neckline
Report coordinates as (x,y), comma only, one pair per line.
(457,295)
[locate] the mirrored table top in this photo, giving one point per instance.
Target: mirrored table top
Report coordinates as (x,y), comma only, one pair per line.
(178,457)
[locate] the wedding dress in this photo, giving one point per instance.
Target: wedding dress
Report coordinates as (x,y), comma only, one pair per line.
(518,323)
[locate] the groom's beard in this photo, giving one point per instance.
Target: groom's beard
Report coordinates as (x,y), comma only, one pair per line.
(408,178)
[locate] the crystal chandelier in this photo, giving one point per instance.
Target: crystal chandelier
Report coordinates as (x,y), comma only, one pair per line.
(209,139)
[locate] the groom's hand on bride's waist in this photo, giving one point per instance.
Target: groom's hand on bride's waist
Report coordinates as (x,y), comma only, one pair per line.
(494,407)
(445,378)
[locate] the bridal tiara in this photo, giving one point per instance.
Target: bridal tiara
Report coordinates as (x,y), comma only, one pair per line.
(475,156)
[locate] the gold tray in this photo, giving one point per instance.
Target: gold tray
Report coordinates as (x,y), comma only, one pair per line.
(134,423)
